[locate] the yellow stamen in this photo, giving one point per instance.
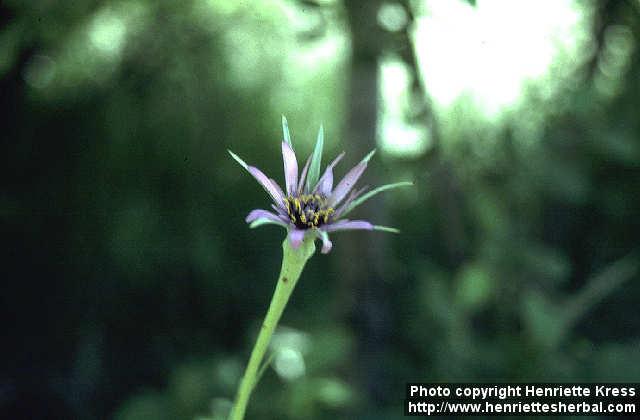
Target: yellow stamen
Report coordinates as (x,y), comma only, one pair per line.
(308,210)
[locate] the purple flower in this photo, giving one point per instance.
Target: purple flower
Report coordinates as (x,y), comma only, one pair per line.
(311,204)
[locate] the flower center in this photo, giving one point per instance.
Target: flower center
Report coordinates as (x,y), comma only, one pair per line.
(308,210)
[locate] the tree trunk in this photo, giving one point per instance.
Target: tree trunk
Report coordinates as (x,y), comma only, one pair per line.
(363,254)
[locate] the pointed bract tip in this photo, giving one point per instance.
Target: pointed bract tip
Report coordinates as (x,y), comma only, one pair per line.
(285,131)
(326,242)
(260,222)
(237,159)
(256,223)
(368,156)
(386,229)
(316,158)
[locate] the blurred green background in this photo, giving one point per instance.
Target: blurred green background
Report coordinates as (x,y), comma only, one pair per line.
(133,289)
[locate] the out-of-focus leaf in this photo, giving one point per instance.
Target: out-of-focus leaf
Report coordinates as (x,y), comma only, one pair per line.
(542,319)
(475,286)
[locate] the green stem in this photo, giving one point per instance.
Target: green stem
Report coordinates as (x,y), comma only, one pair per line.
(264,367)
(293,261)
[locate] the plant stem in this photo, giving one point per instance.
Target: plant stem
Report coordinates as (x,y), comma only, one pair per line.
(293,261)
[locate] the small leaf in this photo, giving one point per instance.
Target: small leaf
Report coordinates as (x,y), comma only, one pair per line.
(316,160)
(285,131)
(355,203)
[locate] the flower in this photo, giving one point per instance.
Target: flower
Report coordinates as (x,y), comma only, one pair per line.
(310,204)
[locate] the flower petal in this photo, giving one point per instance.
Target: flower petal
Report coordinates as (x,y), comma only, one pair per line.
(275,193)
(354,194)
(295,237)
(290,168)
(326,183)
(326,180)
(348,225)
(280,210)
(277,187)
(303,175)
(349,180)
(263,214)
(262,221)
(326,242)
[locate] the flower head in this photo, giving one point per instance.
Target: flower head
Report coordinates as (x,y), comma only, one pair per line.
(310,203)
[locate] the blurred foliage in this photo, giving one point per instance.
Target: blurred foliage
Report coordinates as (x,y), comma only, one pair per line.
(133,289)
